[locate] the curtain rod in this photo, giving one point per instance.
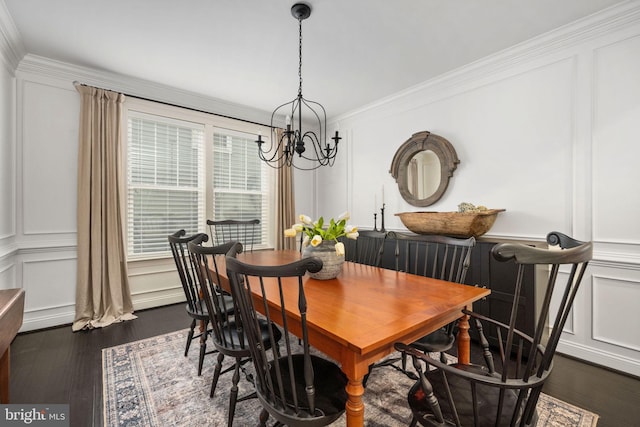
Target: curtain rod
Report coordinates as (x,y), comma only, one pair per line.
(77,83)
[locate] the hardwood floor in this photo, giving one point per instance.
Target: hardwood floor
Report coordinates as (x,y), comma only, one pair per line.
(59,366)
(615,397)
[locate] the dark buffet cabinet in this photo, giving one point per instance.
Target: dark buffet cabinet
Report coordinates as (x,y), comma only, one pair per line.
(500,277)
(485,271)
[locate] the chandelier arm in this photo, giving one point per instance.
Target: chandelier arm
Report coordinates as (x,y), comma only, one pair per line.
(328,153)
(312,139)
(321,160)
(323,128)
(279,107)
(277,155)
(323,155)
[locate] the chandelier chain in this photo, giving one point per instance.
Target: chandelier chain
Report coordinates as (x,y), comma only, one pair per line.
(300,56)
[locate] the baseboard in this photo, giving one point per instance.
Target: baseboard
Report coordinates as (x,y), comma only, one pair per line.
(64,315)
(599,357)
(156,299)
(45,319)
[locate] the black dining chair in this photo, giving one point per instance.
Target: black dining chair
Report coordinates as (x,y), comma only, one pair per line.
(228,332)
(367,249)
(246,232)
(440,257)
(196,307)
(294,387)
(503,392)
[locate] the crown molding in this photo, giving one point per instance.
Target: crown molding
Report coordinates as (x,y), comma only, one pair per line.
(132,86)
(616,18)
(11,47)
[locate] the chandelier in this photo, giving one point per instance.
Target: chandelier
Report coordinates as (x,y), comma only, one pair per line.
(311,144)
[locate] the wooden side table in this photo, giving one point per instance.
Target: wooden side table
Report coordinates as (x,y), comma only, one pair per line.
(11,312)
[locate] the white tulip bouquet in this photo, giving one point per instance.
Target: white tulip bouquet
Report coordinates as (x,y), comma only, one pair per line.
(315,232)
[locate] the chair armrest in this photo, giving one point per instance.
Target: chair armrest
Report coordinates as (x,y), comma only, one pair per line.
(478,373)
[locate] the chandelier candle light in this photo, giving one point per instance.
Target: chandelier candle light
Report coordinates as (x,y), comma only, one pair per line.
(323,242)
(310,145)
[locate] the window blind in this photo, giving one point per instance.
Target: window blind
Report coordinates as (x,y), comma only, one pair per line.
(240,181)
(165,181)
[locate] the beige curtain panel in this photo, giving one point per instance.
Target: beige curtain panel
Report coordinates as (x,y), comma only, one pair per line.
(102,289)
(285,203)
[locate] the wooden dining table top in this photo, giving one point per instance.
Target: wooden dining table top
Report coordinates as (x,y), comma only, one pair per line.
(358,316)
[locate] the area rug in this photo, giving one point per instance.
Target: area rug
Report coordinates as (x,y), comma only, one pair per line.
(149,383)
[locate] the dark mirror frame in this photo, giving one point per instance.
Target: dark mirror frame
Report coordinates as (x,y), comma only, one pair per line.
(418,142)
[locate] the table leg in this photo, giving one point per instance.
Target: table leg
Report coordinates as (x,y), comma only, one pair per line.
(355,406)
(464,341)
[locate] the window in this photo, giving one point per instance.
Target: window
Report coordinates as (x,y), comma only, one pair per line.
(185,167)
(240,181)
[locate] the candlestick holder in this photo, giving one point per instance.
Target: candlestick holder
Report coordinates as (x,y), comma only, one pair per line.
(382,219)
(375,221)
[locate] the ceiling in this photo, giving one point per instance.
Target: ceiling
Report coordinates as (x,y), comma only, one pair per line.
(354,51)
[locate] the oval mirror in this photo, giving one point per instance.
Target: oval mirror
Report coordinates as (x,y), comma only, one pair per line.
(423,176)
(422,167)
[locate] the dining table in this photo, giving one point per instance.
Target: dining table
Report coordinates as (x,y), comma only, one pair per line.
(357,317)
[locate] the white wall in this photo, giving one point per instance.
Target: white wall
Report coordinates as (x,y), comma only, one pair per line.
(544,130)
(547,130)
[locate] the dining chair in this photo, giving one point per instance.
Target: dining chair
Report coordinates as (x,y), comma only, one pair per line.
(367,249)
(228,333)
(196,307)
(440,257)
(246,232)
(504,391)
(294,386)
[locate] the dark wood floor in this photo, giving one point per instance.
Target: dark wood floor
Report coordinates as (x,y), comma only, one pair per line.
(59,366)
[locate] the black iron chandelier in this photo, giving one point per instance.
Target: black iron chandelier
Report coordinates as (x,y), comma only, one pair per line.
(310,145)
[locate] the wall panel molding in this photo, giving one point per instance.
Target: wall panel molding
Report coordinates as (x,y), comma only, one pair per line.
(48,160)
(8,150)
(8,276)
(615,115)
(48,248)
(616,260)
(49,283)
(8,251)
(619,326)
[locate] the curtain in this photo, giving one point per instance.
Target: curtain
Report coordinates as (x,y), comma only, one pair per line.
(285,203)
(102,288)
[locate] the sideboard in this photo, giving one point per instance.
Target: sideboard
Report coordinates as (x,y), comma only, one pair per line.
(498,276)
(485,271)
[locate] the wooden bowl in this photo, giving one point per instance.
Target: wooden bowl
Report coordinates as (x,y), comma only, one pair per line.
(456,224)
